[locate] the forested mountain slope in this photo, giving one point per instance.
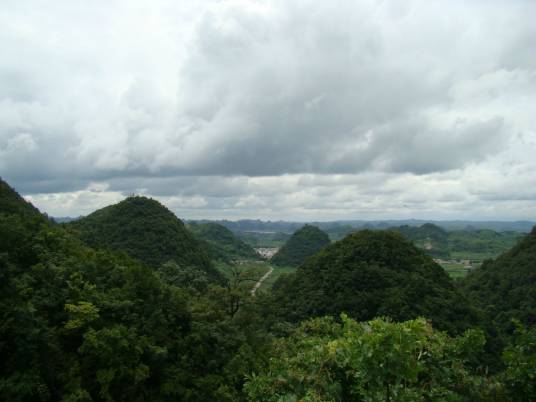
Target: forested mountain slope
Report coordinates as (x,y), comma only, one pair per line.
(78,324)
(472,244)
(506,287)
(428,237)
(483,242)
(12,203)
(370,274)
(146,230)
(222,244)
(302,244)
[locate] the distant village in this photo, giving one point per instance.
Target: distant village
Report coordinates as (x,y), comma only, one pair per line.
(267,252)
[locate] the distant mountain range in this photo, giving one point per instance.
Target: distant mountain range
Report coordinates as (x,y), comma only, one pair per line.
(256,225)
(337,229)
(65,219)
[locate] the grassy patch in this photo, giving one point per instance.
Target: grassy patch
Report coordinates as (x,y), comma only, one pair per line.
(278,271)
(455,270)
(253,270)
(467,255)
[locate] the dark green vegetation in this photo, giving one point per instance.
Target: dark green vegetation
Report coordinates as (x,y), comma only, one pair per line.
(338,232)
(455,269)
(251,225)
(222,243)
(146,230)
(506,287)
(469,244)
(379,360)
(78,324)
(428,237)
(479,245)
(263,239)
(370,274)
(302,244)
(277,272)
(85,324)
(249,271)
(12,203)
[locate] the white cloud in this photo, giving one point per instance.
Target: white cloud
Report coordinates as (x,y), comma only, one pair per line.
(277,108)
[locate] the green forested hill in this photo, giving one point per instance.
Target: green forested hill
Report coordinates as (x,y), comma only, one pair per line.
(506,287)
(370,274)
(428,237)
(481,244)
(467,244)
(12,203)
(222,243)
(78,324)
(302,244)
(339,231)
(146,230)
(263,239)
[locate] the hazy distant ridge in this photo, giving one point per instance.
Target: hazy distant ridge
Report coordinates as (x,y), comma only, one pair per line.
(290,227)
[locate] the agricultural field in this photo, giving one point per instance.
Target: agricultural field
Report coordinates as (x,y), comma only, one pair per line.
(455,270)
(278,271)
(476,256)
(252,271)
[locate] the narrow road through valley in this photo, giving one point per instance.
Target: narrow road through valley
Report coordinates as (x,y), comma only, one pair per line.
(259,282)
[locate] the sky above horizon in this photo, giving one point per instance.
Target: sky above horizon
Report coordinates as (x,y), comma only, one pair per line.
(296,110)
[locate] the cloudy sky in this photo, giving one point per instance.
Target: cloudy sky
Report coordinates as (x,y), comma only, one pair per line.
(297,110)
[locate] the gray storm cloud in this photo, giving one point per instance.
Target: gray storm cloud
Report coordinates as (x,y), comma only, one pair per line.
(197,100)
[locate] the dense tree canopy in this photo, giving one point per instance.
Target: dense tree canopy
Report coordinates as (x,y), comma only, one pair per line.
(80,324)
(506,287)
(374,361)
(12,203)
(469,243)
(429,237)
(484,241)
(302,244)
(146,230)
(222,243)
(370,274)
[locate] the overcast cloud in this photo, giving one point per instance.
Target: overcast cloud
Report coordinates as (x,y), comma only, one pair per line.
(272,109)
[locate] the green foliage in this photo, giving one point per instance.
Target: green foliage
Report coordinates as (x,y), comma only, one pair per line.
(481,244)
(79,325)
(302,244)
(506,287)
(459,244)
(254,270)
(222,243)
(80,314)
(455,270)
(428,237)
(520,360)
(192,278)
(73,319)
(12,203)
(370,274)
(146,230)
(276,274)
(373,361)
(339,232)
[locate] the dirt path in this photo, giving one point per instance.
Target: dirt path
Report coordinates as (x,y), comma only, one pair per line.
(260,281)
